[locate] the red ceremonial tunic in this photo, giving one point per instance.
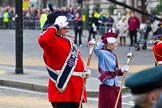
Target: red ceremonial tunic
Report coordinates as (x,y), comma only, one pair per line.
(56,50)
(157,49)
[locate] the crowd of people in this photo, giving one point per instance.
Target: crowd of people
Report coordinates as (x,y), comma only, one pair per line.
(32,13)
(98,22)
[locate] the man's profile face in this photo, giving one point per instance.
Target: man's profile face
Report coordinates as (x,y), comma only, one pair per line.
(64,30)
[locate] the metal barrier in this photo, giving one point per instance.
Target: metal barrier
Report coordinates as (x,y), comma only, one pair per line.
(27,24)
(31,24)
(35,24)
(105,28)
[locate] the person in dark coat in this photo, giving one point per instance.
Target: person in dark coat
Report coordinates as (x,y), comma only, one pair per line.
(109,21)
(78,28)
(146,86)
(92,27)
(101,23)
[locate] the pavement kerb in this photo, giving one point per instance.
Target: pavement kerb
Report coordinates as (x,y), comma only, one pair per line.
(23,85)
(43,88)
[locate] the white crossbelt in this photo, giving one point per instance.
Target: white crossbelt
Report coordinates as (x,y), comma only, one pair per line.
(80,74)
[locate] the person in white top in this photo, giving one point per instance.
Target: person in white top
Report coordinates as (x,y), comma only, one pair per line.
(122,27)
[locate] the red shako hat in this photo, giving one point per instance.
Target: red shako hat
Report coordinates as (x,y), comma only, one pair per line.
(110,33)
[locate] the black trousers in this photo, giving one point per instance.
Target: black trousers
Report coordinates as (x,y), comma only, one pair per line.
(78,32)
(133,37)
(91,33)
(65,104)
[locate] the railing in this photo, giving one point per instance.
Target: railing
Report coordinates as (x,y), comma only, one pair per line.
(35,24)
(105,28)
(27,24)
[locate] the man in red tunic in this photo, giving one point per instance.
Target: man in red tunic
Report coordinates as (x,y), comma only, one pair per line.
(64,64)
(157,46)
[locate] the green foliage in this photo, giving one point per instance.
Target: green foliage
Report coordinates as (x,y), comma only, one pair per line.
(158,8)
(111,8)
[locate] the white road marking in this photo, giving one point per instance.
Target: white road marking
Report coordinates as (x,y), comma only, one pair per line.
(131,103)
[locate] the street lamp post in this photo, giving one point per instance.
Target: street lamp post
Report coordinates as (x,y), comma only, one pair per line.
(19,37)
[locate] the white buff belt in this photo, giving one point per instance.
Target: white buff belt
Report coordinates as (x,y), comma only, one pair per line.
(62,78)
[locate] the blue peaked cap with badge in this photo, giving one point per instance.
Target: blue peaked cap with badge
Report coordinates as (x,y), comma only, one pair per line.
(52,17)
(145,80)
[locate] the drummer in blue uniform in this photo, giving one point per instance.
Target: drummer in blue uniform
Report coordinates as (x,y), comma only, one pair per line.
(108,69)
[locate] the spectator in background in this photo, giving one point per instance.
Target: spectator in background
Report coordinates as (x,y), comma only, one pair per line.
(101,23)
(109,21)
(12,17)
(33,12)
(92,27)
(11,12)
(79,9)
(96,16)
(134,25)
(1,12)
(78,28)
(122,27)
(43,18)
(64,9)
(6,19)
(71,11)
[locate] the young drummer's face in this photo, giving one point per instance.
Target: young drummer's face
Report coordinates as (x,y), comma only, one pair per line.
(113,46)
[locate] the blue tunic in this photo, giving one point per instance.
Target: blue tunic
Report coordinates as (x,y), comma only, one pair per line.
(107,61)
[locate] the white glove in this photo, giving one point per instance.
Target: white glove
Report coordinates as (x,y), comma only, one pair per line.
(61,21)
(87,72)
(125,68)
(91,42)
